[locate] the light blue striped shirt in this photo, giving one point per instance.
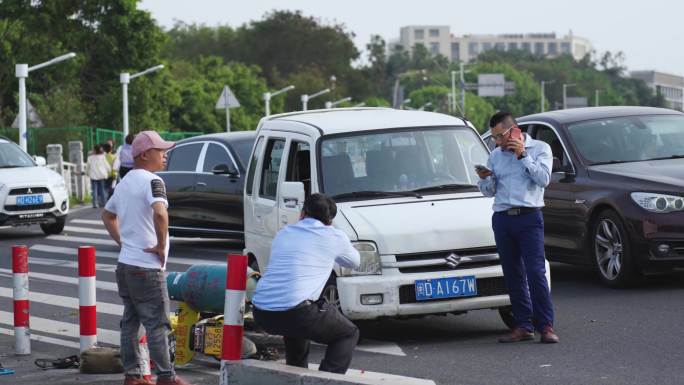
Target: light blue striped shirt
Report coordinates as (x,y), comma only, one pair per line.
(518,183)
(302,258)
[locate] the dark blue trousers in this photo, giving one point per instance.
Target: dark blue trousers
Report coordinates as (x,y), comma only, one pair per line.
(520,243)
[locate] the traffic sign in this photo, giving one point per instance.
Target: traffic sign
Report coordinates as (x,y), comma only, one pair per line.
(227,99)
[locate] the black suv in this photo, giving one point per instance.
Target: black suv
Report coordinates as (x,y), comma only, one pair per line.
(204,178)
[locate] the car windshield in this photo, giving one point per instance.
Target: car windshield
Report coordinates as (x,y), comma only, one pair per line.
(11,156)
(629,139)
(393,161)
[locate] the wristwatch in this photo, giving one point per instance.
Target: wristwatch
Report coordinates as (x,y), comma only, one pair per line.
(522,155)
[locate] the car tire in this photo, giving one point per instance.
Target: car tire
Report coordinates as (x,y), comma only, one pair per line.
(54,228)
(611,251)
(506,314)
(330,293)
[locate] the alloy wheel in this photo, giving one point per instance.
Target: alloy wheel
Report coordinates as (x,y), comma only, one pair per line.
(608,249)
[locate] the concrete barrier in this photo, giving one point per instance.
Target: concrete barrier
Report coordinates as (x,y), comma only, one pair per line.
(254,372)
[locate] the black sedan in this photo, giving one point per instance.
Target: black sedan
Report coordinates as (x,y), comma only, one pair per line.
(204,178)
(616,197)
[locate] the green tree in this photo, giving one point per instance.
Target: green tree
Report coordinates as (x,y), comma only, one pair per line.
(200,86)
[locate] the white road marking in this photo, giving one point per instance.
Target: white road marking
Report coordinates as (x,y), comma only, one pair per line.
(69,264)
(389,378)
(115,255)
(61,328)
(101,285)
(62,301)
(382,347)
(85,230)
(88,221)
(49,340)
(83,241)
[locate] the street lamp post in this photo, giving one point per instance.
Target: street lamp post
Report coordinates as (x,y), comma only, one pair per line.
(305,98)
(125,78)
(452,102)
(596,94)
(22,72)
(461,64)
(543,94)
(268,96)
(565,94)
(329,105)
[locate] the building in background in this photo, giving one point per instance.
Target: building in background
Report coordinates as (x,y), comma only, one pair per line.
(668,85)
(438,39)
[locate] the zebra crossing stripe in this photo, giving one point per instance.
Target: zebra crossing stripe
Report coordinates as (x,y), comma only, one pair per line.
(83,240)
(66,329)
(102,285)
(115,255)
(48,340)
(63,301)
(86,230)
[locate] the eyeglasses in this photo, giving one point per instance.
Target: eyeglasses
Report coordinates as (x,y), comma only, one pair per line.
(503,134)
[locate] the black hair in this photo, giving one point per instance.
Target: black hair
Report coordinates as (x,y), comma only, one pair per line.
(97,149)
(129,138)
(500,117)
(107,147)
(321,207)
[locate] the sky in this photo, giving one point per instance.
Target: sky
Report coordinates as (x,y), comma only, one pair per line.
(650,33)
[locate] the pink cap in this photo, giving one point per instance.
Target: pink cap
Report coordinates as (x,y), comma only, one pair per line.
(146,140)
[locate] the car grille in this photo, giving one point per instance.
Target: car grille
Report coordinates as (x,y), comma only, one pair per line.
(485,287)
(25,190)
(29,207)
(478,255)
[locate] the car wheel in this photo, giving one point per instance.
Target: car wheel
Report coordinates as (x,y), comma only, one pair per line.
(54,228)
(506,314)
(612,253)
(330,294)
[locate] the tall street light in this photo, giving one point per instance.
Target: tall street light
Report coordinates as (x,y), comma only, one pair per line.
(268,96)
(125,78)
(22,72)
(565,94)
(329,105)
(305,98)
(597,96)
(543,94)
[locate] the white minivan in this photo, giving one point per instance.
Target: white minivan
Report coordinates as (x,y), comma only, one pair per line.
(406,194)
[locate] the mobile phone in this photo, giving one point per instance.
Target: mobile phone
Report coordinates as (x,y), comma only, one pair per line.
(516,133)
(482,167)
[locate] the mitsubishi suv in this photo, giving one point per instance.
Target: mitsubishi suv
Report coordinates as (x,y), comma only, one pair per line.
(29,193)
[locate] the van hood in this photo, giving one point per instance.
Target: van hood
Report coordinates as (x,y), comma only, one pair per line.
(430,224)
(24,176)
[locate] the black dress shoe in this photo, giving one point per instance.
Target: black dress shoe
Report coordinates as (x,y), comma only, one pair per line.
(517,335)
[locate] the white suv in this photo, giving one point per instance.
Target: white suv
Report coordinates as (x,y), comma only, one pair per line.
(29,193)
(405,187)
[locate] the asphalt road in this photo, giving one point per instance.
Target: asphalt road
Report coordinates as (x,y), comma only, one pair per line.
(607,336)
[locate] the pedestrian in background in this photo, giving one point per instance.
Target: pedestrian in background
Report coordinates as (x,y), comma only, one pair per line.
(124,157)
(136,218)
(98,171)
(111,177)
(517,172)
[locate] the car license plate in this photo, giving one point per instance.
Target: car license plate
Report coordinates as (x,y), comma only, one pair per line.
(427,289)
(29,200)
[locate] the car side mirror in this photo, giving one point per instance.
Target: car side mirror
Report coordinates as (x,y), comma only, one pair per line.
(292,194)
(39,160)
(225,169)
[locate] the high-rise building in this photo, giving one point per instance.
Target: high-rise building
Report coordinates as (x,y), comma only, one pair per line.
(438,39)
(668,85)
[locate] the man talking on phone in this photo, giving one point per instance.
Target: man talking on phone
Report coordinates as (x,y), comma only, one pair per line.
(519,169)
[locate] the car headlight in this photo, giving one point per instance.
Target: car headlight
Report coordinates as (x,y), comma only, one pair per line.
(370,260)
(658,203)
(59,185)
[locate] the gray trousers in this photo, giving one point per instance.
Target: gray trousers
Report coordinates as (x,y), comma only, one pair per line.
(146,301)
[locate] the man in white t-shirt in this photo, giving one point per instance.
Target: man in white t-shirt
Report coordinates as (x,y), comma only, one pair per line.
(136,217)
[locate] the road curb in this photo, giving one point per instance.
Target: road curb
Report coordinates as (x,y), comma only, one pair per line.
(255,372)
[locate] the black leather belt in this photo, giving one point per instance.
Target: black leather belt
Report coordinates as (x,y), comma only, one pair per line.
(520,210)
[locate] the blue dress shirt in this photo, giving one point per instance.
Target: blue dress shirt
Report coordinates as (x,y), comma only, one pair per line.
(518,183)
(302,258)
